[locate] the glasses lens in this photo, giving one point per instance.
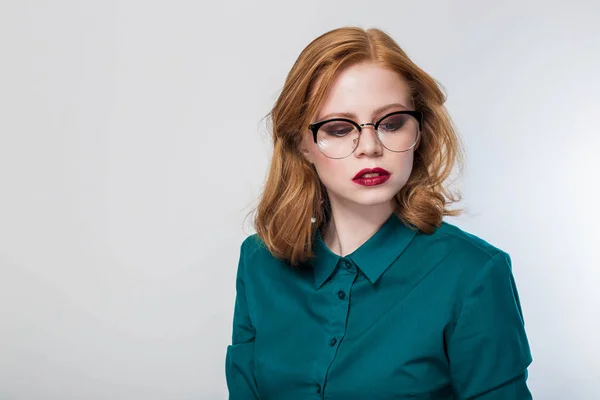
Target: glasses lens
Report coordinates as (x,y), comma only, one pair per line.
(337,139)
(398,132)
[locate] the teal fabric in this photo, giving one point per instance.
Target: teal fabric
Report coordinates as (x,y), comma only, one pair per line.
(405,316)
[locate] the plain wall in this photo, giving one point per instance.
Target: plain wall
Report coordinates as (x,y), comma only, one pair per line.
(132,146)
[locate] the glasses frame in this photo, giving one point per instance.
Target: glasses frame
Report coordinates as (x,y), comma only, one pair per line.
(314,128)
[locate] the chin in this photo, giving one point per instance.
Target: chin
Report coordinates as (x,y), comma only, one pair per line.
(371,198)
(367,196)
(376,201)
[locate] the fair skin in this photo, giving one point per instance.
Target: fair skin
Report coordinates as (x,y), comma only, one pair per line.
(359,211)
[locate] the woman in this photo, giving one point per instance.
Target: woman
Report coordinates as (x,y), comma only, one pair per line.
(353,287)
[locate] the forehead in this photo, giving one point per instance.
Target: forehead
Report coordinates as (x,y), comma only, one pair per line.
(363,88)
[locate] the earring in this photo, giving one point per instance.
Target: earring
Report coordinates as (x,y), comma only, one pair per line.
(313,219)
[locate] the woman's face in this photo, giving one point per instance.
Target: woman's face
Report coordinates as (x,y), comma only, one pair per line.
(360,90)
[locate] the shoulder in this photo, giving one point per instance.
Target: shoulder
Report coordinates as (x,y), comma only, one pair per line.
(467,255)
(467,242)
(469,268)
(262,269)
(256,257)
(253,246)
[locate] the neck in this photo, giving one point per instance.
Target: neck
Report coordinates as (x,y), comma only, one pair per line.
(351,225)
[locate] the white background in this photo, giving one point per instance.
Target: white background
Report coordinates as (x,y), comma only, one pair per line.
(132,146)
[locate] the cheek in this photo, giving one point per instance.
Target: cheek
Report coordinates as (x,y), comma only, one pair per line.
(331,171)
(404,167)
(406,162)
(406,172)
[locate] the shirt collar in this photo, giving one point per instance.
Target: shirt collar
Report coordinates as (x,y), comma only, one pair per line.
(373,257)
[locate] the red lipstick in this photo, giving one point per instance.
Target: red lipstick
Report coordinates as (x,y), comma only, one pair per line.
(372,181)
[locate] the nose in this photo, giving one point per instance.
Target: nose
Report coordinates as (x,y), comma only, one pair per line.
(368,141)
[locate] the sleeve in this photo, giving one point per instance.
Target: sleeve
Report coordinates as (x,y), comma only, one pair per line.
(239,362)
(488,350)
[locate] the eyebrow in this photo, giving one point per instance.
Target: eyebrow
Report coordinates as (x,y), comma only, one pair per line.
(352,115)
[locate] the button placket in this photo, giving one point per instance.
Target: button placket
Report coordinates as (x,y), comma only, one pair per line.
(341,283)
(348,281)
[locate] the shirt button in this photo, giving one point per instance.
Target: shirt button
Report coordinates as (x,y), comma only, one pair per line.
(347,264)
(333,341)
(341,295)
(318,388)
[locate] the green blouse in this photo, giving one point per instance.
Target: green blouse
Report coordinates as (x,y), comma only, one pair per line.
(406,316)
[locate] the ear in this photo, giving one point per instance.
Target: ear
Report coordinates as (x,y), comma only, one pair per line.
(306,154)
(303,147)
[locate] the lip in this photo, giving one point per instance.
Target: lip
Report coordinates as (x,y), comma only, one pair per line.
(364,171)
(375,181)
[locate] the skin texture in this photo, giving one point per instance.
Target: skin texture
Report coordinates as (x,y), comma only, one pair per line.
(358,211)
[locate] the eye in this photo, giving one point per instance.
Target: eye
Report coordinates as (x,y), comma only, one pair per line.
(393,123)
(337,128)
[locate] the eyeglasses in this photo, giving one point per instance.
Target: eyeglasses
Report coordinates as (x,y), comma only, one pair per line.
(397,131)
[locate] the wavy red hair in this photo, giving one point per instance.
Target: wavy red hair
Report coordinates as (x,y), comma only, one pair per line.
(293,193)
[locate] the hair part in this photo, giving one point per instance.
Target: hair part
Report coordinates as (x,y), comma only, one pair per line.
(293,192)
